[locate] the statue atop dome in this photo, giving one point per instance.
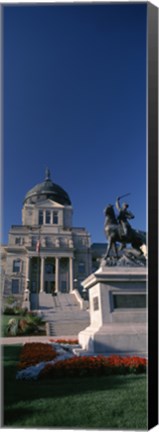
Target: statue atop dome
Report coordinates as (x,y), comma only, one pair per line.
(47,174)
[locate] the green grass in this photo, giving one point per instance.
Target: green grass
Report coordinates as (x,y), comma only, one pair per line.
(113,402)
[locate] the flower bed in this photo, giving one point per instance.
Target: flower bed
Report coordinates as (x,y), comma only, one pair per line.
(34,353)
(94,365)
(46,360)
(35,356)
(65,341)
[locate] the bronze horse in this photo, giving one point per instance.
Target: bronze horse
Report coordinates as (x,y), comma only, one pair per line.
(113,232)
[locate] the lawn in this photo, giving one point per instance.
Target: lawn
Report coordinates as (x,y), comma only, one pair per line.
(108,402)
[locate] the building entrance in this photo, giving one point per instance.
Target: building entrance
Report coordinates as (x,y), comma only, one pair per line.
(49,287)
(48,274)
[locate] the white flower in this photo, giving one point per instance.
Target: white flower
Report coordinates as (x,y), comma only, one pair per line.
(32,372)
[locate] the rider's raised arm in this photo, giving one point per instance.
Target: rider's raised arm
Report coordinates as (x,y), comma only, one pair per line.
(117,203)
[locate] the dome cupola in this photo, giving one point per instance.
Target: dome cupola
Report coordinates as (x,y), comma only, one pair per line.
(47,190)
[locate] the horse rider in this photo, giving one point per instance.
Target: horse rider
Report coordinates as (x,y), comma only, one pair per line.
(123,217)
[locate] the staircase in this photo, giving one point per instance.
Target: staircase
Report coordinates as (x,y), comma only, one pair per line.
(63,314)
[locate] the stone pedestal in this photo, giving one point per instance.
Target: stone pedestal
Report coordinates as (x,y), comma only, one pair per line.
(118,313)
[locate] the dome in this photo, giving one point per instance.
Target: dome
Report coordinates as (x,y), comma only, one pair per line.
(47,190)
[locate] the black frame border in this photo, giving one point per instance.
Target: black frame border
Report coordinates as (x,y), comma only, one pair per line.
(152,119)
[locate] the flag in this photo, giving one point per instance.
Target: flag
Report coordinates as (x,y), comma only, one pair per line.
(38,246)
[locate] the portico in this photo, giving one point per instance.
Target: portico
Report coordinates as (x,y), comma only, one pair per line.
(50,274)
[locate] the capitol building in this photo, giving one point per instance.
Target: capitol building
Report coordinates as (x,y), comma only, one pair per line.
(46,253)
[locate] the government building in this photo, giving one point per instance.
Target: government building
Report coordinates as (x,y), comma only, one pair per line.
(46,253)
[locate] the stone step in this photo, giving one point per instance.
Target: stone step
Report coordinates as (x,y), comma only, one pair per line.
(62,314)
(66,329)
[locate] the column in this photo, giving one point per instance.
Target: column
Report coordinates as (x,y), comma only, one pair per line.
(71,273)
(27,271)
(42,274)
(56,274)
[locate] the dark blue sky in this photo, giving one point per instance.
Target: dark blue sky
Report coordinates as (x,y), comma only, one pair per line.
(75,101)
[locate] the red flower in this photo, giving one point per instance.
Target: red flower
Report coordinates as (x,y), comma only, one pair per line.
(85,365)
(65,341)
(34,353)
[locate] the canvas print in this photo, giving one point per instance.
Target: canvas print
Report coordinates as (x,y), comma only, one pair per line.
(74,251)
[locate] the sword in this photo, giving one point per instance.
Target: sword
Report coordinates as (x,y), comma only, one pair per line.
(123,196)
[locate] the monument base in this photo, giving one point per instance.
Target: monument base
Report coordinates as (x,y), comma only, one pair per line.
(118,315)
(114,338)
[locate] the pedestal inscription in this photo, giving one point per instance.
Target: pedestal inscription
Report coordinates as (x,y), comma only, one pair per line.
(132,301)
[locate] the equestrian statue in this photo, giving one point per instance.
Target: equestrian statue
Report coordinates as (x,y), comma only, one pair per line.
(118,229)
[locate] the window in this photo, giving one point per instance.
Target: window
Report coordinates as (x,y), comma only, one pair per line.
(48,217)
(49,268)
(40,217)
(81,267)
(34,241)
(16,266)
(18,240)
(15,286)
(48,241)
(55,217)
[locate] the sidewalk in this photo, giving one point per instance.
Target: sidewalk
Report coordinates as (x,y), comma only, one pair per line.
(16,340)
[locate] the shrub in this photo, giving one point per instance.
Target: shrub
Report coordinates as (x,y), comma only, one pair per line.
(8,310)
(34,318)
(30,324)
(14,310)
(22,325)
(10,299)
(13,327)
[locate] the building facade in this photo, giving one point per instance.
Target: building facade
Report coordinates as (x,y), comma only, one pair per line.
(46,253)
